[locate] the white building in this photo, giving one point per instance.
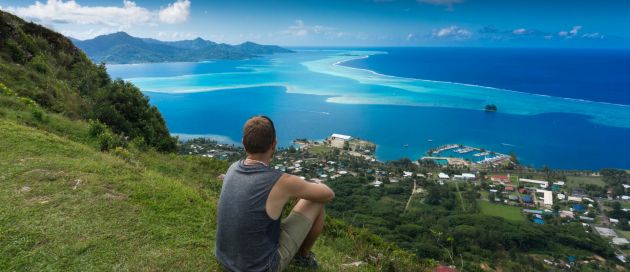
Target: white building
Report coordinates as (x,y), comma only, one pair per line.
(443,176)
(339,140)
(541,183)
(407,174)
(547,196)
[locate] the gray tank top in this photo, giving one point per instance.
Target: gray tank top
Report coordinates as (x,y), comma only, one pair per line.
(247,238)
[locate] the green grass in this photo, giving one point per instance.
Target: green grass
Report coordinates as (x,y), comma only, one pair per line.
(500,210)
(320,149)
(68,207)
(575,181)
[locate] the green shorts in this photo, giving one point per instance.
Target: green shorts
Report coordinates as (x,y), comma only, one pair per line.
(293,231)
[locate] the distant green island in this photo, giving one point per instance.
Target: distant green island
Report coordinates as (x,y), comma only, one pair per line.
(122,48)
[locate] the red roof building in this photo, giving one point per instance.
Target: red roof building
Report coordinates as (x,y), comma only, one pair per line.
(500,179)
(509,189)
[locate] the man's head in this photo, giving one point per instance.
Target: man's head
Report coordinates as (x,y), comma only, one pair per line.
(259,135)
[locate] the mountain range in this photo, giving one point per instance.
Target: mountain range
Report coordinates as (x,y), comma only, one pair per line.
(122,48)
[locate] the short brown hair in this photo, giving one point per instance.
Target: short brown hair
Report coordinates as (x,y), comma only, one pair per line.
(258,134)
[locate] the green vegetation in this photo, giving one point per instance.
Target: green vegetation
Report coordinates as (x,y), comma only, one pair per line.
(68,206)
(120,47)
(44,66)
(466,232)
(503,211)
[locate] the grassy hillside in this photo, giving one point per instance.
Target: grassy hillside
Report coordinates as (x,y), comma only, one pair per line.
(67,206)
(45,66)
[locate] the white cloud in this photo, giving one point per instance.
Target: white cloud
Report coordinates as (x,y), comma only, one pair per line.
(571,33)
(519,31)
(60,12)
(300,29)
(454,32)
(56,12)
(575,30)
(410,36)
(176,12)
(448,3)
(595,35)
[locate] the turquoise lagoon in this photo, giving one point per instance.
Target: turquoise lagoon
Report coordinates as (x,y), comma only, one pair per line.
(311,94)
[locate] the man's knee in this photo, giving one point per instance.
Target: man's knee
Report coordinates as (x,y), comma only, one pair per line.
(310,209)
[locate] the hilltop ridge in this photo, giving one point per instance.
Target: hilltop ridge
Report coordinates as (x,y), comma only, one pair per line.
(120,47)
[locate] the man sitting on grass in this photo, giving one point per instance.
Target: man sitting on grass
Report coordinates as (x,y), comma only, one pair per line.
(250,235)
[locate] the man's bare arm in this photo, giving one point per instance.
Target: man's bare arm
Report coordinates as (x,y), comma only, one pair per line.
(298,188)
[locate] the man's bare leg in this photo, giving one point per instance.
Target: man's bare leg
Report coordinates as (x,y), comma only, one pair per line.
(315,212)
(316,230)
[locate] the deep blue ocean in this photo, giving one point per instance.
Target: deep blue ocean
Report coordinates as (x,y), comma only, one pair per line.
(592,74)
(308,98)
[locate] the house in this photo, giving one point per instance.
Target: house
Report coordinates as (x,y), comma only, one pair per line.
(606,232)
(575,199)
(339,140)
(541,183)
(407,174)
(500,179)
(509,188)
(614,221)
(547,197)
(620,241)
(377,183)
(566,214)
(464,177)
(443,176)
(561,196)
(559,183)
(522,190)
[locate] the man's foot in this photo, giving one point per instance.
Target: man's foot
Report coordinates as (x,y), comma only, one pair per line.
(306,262)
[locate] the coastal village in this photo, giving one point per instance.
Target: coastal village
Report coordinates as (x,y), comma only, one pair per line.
(505,189)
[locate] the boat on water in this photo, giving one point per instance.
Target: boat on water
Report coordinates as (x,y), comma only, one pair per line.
(406,145)
(429,140)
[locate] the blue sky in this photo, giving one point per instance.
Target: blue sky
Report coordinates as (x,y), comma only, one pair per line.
(502,23)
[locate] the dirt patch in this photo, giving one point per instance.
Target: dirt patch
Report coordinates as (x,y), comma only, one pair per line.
(113,194)
(43,175)
(39,200)
(24,189)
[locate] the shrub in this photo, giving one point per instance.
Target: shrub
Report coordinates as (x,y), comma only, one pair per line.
(40,65)
(4,90)
(108,141)
(96,128)
(28,102)
(122,153)
(17,54)
(38,115)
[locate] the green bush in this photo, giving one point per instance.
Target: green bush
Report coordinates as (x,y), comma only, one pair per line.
(28,102)
(4,90)
(122,153)
(38,115)
(17,54)
(96,128)
(40,65)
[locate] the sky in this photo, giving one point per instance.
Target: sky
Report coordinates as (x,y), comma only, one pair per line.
(479,23)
